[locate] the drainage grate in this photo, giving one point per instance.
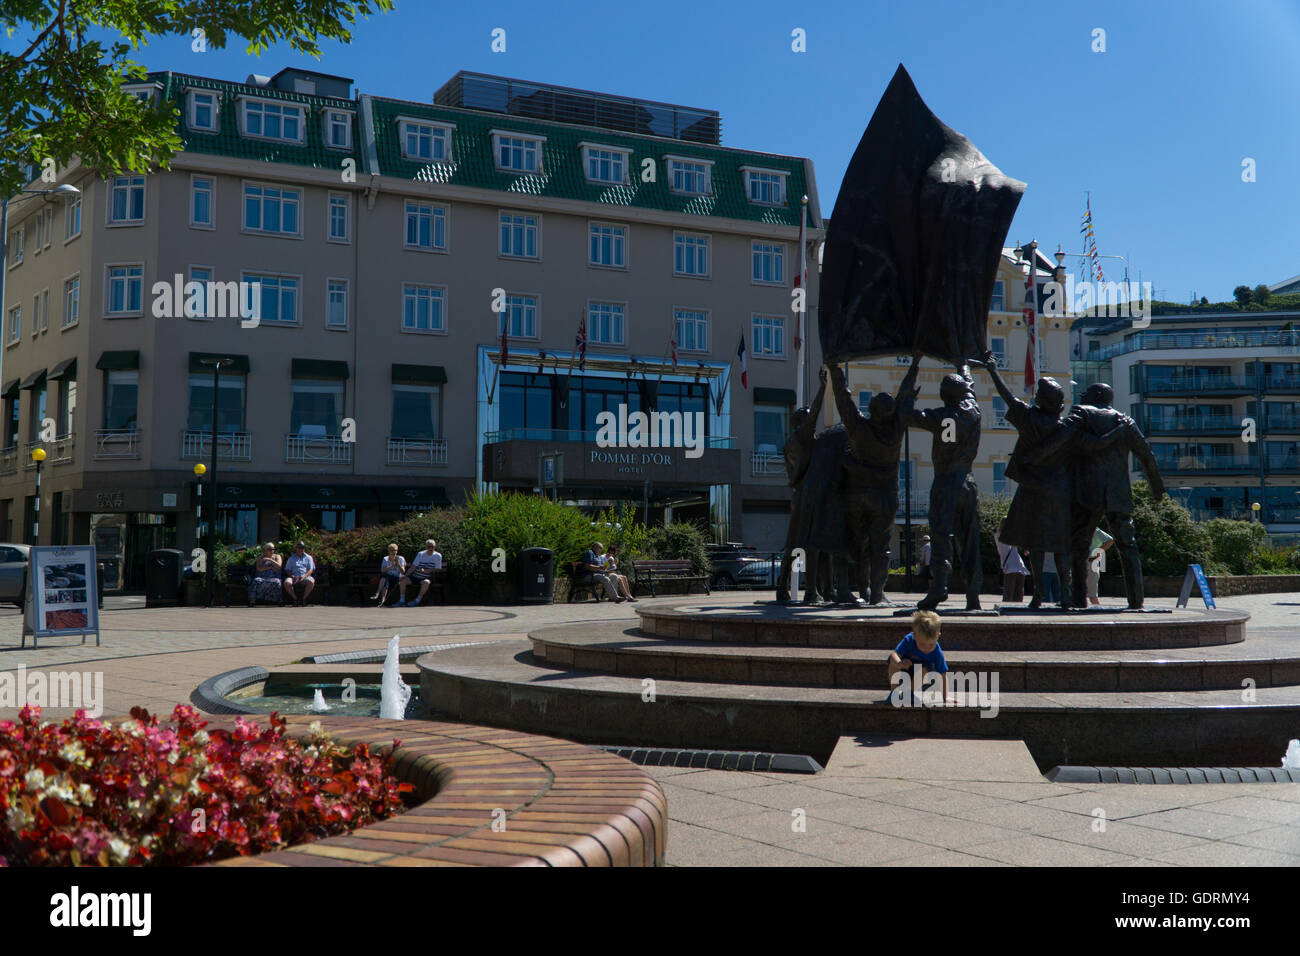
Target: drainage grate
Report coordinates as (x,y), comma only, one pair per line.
(1172,775)
(743,760)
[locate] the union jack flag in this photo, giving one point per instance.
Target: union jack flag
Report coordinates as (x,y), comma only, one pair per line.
(1030,314)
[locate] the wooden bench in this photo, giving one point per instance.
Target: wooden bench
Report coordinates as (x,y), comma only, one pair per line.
(362,583)
(240,576)
(675,569)
(580,579)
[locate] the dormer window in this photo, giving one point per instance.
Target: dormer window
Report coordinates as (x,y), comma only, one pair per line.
(145,92)
(765,187)
(425,141)
(517,153)
(338,129)
(605,164)
(692,177)
(203,110)
(267,120)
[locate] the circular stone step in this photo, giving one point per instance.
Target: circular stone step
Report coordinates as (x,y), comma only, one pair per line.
(1266,661)
(877,628)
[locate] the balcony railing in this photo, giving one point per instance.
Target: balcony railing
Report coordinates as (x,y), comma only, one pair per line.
(1207,462)
(117,443)
(9,460)
(231,446)
(766,463)
(1201,384)
(1193,423)
(919,501)
(577,435)
(57,452)
(1282,423)
(317,449)
(1285,341)
(417,451)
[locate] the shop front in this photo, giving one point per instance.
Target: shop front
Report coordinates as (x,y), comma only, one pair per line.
(125,524)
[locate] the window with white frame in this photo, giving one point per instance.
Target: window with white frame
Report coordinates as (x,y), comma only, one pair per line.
(607,243)
(426,226)
(203,111)
(126,199)
(271,209)
(338,129)
(999,301)
(197,305)
(339,228)
(999,413)
(519,235)
(36,314)
(14,326)
(423,308)
(604,164)
(692,327)
(605,322)
(765,187)
(336,303)
(520,154)
(278,121)
(428,142)
(279,298)
(71,302)
(45,310)
(49,225)
(864,402)
(998,345)
(693,177)
(690,254)
(72,217)
(15,250)
(999,477)
(768,263)
(125,290)
(201,188)
(769,336)
(520,316)
(38,224)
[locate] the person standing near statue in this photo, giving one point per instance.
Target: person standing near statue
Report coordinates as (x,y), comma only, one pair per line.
(954,496)
(798,453)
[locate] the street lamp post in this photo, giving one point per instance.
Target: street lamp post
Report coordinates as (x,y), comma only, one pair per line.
(38,456)
(199,471)
(210,557)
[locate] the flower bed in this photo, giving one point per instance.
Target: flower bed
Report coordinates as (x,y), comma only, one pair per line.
(88,793)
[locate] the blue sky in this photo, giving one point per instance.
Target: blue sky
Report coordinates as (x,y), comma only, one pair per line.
(1156,127)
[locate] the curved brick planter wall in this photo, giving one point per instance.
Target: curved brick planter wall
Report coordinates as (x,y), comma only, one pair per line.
(565,804)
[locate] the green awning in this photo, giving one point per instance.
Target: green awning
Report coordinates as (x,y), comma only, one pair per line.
(419,375)
(67,367)
(36,378)
(415,498)
(319,497)
(239,367)
(250,494)
(774,396)
(319,368)
(117,361)
(10,389)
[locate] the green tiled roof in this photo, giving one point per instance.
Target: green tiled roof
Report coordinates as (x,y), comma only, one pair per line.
(562,173)
(228,142)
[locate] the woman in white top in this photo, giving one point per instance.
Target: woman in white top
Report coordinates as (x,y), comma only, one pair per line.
(392,570)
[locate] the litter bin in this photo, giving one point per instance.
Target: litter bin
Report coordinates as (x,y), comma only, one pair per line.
(162,577)
(537,575)
(99,583)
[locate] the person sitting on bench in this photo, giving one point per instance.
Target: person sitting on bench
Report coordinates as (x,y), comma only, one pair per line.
(610,560)
(422,567)
(391,571)
(299,569)
(594,564)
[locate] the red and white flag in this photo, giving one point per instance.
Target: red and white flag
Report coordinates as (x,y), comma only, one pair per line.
(801,280)
(744,362)
(1030,314)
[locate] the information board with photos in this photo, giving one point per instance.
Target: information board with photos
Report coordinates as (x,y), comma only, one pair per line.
(62,593)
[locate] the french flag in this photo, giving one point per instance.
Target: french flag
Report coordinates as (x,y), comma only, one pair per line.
(744,363)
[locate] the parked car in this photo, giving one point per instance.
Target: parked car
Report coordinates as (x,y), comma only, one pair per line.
(13,572)
(737,565)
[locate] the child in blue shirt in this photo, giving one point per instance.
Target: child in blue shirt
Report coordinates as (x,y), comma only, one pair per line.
(921,647)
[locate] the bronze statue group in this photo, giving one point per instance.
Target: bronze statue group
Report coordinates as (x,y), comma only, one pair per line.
(1069,472)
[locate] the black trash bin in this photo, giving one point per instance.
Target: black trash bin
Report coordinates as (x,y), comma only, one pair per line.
(537,575)
(162,577)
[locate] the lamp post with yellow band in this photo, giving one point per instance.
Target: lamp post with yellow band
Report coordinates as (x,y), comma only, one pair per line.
(38,456)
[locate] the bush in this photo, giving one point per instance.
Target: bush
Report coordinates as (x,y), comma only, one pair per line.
(517,521)
(677,541)
(1167,537)
(992,510)
(1234,544)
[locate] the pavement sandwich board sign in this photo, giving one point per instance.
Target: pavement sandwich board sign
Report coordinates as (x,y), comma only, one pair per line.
(1195,576)
(62,593)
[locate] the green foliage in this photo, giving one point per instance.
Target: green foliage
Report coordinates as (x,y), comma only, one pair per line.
(1262,294)
(1242,294)
(619,528)
(61,92)
(514,522)
(680,540)
(1234,544)
(993,509)
(1244,301)
(1168,539)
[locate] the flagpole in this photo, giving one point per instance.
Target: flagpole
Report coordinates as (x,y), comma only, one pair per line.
(802,313)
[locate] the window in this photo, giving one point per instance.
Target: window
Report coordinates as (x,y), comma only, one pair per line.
(769,263)
(769,336)
(416,412)
(426,141)
(770,424)
(14,326)
(197,305)
(999,413)
(520,316)
(12,411)
(998,345)
(71,302)
(336,303)
(230,403)
(126,199)
(519,235)
(201,202)
(607,242)
(203,111)
(690,255)
(605,323)
(125,290)
(423,308)
(338,129)
(864,402)
(72,218)
(67,405)
(317,407)
(692,177)
(279,297)
(527,400)
(49,225)
(605,164)
(39,401)
(339,228)
(121,391)
(692,329)
(999,302)
(36,314)
(271,209)
(38,230)
(765,186)
(522,154)
(426,226)
(15,250)
(999,477)
(280,121)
